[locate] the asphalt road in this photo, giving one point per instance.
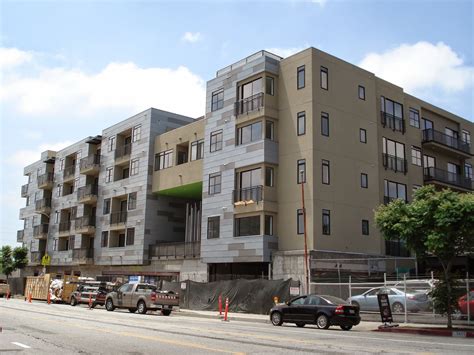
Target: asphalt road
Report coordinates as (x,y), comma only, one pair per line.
(39,328)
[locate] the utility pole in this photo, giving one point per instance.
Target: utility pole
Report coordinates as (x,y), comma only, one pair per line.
(306,270)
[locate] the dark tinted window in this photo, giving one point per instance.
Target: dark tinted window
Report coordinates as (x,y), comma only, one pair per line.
(313,300)
(333,300)
(300,300)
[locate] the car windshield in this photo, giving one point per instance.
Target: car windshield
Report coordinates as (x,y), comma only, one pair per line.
(333,300)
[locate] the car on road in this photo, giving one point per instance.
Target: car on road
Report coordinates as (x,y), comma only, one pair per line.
(95,291)
(141,298)
(461,312)
(418,285)
(322,310)
(415,301)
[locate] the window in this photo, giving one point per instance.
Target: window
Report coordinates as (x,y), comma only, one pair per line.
(393,155)
(269,86)
(164,160)
(466,136)
(75,186)
(269,176)
(364,180)
(326,222)
(72,242)
(361,92)
(427,124)
(468,170)
(250,89)
(213,227)
(109,174)
(394,190)
(301,123)
(214,183)
(134,163)
(121,240)
(197,150)
(55,244)
(132,201)
(216,141)
(130,236)
(268,225)
(301,171)
(247,226)
(392,114)
(104,241)
(59,191)
(362,135)
(451,133)
(249,133)
(56,217)
(300,77)
(137,133)
(429,162)
(106,208)
(249,182)
(299,221)
(416,156)
(269,130)
(365,227)
(36,195)
(125,173)
(61,164)
(324,78)
(217,100)
(325,124)
(414,118)
(325,172)
(111,145)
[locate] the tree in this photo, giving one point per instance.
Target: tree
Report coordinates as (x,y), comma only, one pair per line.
(435,223)
(12,260)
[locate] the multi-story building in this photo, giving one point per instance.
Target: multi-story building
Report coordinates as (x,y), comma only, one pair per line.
(224,193)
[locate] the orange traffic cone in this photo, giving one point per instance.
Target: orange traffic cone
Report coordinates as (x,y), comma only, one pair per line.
(30,298)
(49,297)
(8,295)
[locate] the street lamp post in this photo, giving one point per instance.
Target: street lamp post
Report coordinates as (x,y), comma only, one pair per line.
(306,270)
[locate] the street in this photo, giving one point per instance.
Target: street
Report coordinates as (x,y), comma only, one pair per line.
(39,328)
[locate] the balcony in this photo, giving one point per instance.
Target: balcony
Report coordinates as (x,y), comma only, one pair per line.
(87,194)
(255,198)
(35,257)
(90,165)
(46,181)
(65,228)
(83,256)
(43,206)
(24,190)
(69,172)
(122,154)
(250,104)
(448,144)
(393,122)
(41,231)
(19,236)
(182,250)
(394,163)
(85,225)
(447,179)
(118,220)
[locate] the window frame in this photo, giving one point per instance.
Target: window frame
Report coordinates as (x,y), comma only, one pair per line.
(130,236)
(326,165)
(300,163)
(326,228)
(199,150)
(363,132)
(300,81)
(363,92)
(109,174)
(164,160)
(270,86)
(250,226)
(136,133)
(214,221)
(134,166)
(397,184)
(416,158)
(106,206)
(215,144)
(269,176)
(111,143)
(299,221)
(324,78)
(104,239)
(415,120)
(365,227)
(251,126)
(218,103)
(301,116)
(362,177)
(324,118)
(132,201)
(215,186)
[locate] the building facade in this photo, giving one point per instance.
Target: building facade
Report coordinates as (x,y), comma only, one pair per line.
(221,196)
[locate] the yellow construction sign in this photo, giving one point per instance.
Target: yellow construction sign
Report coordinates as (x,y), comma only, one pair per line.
(45,260)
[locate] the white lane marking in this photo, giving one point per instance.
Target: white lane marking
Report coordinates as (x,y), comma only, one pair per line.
(21,345)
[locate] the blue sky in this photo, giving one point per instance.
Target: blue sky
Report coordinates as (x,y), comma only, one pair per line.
(89,64)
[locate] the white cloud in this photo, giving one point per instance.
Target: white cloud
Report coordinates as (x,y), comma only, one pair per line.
(24,157)
(286,52)
(71,93)
(192,37)
(12,57)
(421,66)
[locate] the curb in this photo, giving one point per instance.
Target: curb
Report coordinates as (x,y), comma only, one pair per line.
(431,332)
(230,318)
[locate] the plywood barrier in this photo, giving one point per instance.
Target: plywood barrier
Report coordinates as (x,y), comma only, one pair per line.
(38,287)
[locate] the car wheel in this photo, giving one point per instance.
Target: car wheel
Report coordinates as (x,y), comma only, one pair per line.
(300,324)
(276,318)
(397,307)
(109,305)
(166,312)
(132,310)
(73,301)
(141,307)
(346,327)
(322,321)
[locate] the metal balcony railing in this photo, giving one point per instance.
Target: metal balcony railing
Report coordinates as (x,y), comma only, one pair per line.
(123,151)
(394,163)
(65,226)
(181,250)
(84,222)
(252,103)
(393,122)
(69,171)
(82,253)
(435,174)
(46,178)
(254,193)
(43,203)
(19,236)
(87,191)
(24,190)
(430,135)
(118,217)
(90,161)
(40,230)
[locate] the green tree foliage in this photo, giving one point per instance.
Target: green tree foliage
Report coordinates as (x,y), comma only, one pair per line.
(11,260)
(437,223)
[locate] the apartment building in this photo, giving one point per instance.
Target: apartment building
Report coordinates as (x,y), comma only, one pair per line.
(224,193)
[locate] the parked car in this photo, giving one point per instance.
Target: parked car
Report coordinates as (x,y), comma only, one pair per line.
(421,285)
(321,310)
(416,301)
(142,297)
(462,304)
(96,291)
(4,288)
